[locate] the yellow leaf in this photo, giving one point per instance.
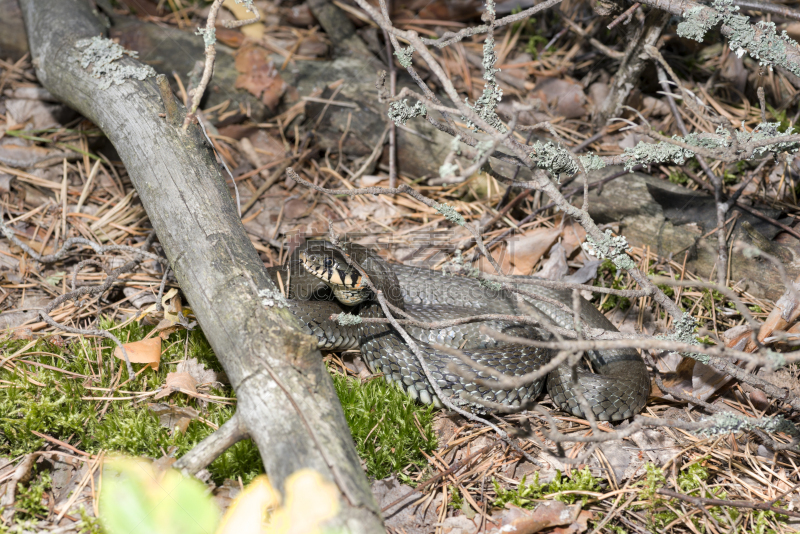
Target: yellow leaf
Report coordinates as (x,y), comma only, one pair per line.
(310,501)
(255,31)
(246,513)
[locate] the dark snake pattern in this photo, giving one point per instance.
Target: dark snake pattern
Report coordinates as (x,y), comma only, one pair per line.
(617,390)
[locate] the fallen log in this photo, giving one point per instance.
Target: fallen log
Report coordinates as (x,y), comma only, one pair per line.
(286,401)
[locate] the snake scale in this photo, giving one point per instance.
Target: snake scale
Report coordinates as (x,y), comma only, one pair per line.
(320,283)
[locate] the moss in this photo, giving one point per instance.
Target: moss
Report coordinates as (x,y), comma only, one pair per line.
(390,429)
(385,422)
(56,409)
(29,498)
(526,495)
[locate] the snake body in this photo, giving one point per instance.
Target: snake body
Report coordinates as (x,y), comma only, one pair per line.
(320,283)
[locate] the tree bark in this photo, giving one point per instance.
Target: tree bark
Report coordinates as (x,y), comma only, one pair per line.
(286,400)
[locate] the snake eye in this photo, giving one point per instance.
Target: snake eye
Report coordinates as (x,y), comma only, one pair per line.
(328,262)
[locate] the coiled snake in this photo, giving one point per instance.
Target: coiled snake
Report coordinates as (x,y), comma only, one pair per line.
(321,283)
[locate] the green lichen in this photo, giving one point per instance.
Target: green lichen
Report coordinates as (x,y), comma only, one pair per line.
(684,329)
(451,214)
(348,319)
(761,41)
(776,359)
(764,131)
(209,35)
(403,56)
(271,298)
(455,145)
(490,284)
(683,332)
(592,162)
(492,94)
(697,21)
(647,153)
(610,247)
(448,169)
(400,112)
(553,158)
(104,54)
(727,422)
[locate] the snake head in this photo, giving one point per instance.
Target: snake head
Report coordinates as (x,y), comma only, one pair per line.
(330,266)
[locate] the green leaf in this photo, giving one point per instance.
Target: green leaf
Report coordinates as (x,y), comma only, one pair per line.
(55,278)
(134,498)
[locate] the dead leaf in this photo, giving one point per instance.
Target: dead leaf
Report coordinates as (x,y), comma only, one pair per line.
(258,75)
(572,236)
(25,157)
(585,274)
(182,381)
(271,148)
(546,515)
(502,257)
(145,351)
(197,371)
(172,417)
(173,307)
(139,298)
(579,525)
(555,267)
(300,16)
(654,107)
(565,98)
(295,209)
(36,113)
(5,182)
(525,251)
(229,36)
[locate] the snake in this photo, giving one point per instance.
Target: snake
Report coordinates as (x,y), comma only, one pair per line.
(320,279)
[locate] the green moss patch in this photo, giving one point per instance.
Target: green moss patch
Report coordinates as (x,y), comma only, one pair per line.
(48,387)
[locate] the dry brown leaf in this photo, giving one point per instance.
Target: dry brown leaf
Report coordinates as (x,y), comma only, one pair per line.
(183,381)
(572,236)
(579,525)
(268,147)
(546,515)
(502,257)
(171,416)
(258,75)
(145,351)
(555,267)
(22,156)
(565,98)
(198,371)
(525,251)
(295,209)
(35,112)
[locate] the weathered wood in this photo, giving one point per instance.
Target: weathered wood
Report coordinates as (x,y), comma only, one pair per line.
(286,400)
